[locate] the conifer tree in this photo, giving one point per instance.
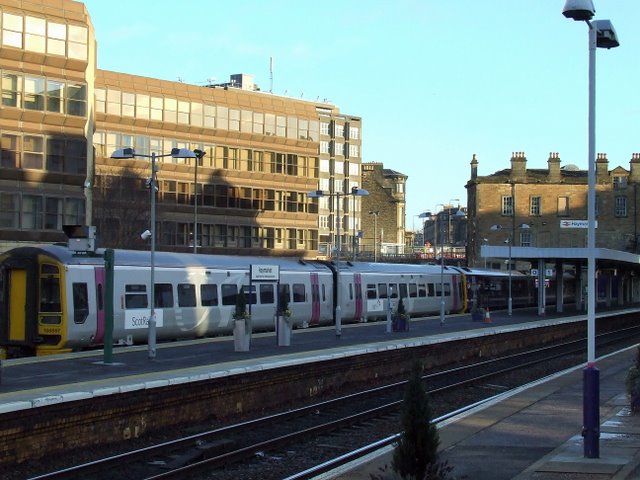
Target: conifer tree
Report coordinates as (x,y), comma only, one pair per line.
(241,306)
(416,452)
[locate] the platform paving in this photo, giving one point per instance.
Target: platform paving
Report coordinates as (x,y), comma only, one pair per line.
(535,434)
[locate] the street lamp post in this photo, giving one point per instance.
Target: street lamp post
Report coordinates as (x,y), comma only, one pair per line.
(375,214)
(127,153)
(337,195)
(434,217)
(449,236)
(601,34)
(509,241)
(198,156)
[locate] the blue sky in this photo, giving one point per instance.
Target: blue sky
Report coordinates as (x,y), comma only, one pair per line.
(434,81)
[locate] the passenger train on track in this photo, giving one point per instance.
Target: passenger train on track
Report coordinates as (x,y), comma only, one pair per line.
(52,300)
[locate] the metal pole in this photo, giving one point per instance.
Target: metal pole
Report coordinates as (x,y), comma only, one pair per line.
(591,375)
(441,274)
(591,198)
(195,207)
(375,237)
(109,261)
(152,317)
(338,312)
(353,219)
(510,300)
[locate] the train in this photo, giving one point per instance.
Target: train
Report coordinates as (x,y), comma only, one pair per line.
(52,300)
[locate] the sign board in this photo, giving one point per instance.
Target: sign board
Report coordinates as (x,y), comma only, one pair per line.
(576,224)
(548,272)
(139,318)
(265,273)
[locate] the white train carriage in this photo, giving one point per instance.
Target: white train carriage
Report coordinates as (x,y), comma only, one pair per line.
(370,289)
(53,301)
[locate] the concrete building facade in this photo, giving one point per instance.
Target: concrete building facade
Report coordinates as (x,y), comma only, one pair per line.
(48,65)
(61,119)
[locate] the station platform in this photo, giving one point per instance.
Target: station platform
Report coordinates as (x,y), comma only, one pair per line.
(37,381)
(535,434)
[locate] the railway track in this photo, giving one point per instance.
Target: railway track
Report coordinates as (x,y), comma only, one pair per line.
(297,440)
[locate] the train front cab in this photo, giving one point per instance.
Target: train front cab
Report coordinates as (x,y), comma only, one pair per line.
(31,318)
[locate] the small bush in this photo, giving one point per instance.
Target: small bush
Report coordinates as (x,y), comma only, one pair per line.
(632,384)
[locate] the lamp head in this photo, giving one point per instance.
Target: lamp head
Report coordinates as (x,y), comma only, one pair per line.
(579,10)
(124,153)
(145,235)
(182,153)
(606,34)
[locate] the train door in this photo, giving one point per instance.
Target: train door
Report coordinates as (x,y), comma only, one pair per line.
(357,282)
(17,328)
(100,316)
(315,300)
(18,299)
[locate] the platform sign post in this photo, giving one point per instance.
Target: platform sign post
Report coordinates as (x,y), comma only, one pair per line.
(109,259)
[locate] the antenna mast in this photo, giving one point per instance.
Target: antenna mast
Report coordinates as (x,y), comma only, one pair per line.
(270,74)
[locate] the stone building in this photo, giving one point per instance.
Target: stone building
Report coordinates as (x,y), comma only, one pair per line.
(383,232)
(548,207)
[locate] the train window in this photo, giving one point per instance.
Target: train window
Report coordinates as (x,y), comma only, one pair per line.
(324,293)
(299,294)
(80,302)
(186,295)
(371,291)
(393,290)
(249,293)
(267,294)
(135,296)
(49,269)
(404,293)
(382,290)
(431,290)
(422,290)
(413,290)
(447,290)
(351,291)
(163,295)
(229,294)
(209,295)
(50,294)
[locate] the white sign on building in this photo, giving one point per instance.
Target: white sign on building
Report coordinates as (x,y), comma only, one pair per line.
(576,224)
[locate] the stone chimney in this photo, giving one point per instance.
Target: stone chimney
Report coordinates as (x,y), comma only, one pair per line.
(634,176)
(518,167)
(474,167)
(554,167)
(602,168)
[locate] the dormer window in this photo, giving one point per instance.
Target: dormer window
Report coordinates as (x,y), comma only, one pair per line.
(619,182)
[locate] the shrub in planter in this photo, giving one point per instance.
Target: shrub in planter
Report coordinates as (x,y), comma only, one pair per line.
(632,384)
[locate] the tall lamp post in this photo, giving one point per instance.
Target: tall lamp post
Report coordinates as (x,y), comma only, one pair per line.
(449,237)
(509,241)
(127,153)
(434,217)
(337,195)
(375,214)
(603,35)
(198,157)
